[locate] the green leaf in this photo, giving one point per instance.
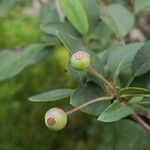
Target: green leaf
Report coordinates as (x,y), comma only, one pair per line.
(145,102)
(42,55)
(117,18)
(48,14)
(122,135)
(124,74)
(141,61)
(86,93)
(93,16)
(140,5)
(53,95)
(101,33)
(49,40)
(115,112)
(136,99)
(141,81)
(133,90)
(117,61)
(118,57)
(71,43)
(13,62)
(95,46)
(54,27)
(76,14)
(127,136)
(133,95)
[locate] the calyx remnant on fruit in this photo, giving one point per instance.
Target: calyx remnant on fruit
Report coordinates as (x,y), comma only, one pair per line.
(55,119)
(80,60)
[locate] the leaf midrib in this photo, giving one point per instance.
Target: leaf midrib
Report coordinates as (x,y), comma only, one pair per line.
(142,65)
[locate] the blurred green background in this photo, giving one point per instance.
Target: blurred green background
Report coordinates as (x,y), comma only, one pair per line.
(21,121)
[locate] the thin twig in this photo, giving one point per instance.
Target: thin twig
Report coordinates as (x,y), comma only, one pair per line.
(139,119)
(139,109)
(89,103)
(141,122)
(100,77)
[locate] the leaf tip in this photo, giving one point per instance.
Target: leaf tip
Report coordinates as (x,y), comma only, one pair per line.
(30,99)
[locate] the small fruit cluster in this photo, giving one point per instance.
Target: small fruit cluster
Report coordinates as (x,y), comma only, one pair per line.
(56,118)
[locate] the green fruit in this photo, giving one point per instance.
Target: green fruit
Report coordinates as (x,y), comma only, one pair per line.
(55,119)
(80,60)
(61,56)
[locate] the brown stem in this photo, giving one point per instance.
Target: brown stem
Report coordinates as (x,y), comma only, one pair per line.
(142,110)
(88,103)
(141,122)
(100,77)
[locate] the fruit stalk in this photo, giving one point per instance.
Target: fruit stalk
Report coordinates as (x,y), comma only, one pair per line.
(141,122)
(89,103)
(100,77)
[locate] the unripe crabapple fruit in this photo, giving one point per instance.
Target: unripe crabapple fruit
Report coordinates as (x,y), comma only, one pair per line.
(80,60)
(55,119)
